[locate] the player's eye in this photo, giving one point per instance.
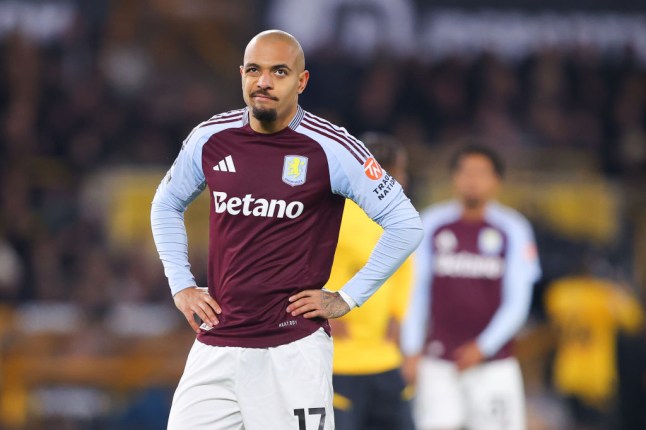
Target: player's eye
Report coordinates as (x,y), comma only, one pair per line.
(281,72)
(251,70)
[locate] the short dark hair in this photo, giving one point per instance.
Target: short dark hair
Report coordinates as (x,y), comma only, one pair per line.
(383,147)
(484,151)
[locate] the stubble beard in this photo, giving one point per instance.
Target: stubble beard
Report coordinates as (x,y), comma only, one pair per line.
(264,115)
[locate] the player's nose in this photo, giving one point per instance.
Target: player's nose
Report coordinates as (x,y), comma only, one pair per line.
(265,80)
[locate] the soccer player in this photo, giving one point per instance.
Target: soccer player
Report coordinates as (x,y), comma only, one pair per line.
(369,390)
(589,314)
(278,177)
(474,274)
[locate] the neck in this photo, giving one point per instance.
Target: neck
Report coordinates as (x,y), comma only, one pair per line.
(473,213)
(266,127)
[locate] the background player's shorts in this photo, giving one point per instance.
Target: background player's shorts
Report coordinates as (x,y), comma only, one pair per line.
(487,397)
(375,401)
(230,388)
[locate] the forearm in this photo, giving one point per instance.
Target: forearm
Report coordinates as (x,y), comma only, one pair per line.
(169,232)
(506,322)
(414,327)
(402,233)
(415,324)
(522,271)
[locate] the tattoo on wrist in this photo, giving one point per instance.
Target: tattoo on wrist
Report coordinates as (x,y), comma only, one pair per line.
(334,305)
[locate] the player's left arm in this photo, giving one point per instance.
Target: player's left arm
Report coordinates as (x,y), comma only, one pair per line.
(521,272)
(392,210)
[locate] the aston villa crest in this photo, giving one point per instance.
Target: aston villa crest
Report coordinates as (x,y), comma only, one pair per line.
(294,170)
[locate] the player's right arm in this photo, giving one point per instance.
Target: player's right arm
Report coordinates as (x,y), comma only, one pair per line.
(415,324)
(182,184)
(522,271)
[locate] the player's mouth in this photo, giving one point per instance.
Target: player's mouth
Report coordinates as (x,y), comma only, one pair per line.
(263,96)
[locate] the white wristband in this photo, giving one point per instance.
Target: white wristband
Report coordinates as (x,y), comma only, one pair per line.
(349,300)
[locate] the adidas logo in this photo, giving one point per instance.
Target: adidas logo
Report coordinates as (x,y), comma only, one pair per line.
(225,165)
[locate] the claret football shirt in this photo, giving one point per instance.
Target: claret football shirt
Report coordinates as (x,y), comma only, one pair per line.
(276,206)
(473,281)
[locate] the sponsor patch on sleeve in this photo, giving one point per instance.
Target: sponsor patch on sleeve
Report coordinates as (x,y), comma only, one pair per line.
(372,169)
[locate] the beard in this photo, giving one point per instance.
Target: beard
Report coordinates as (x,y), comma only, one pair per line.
(264,115)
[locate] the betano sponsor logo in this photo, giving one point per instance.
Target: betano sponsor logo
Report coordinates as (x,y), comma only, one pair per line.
(250,206)
(468,265)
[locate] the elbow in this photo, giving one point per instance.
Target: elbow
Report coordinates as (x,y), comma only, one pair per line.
(415,233)
(409,233)
(158,203)
(158,208)
(165,203)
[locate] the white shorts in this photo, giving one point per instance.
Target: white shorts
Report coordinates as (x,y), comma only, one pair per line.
(231,388)
(487,397)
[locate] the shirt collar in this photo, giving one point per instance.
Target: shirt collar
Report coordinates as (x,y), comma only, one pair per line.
(294,123)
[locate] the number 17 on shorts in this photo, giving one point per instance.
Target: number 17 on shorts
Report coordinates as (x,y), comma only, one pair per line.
(302,421)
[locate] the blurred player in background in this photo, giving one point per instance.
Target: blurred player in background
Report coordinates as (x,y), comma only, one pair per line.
(589,313)
(474,274)
(369,390)
(278,177)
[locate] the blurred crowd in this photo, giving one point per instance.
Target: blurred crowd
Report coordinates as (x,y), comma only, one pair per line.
(124,86)
(96,97)
(106,94)
(551,99)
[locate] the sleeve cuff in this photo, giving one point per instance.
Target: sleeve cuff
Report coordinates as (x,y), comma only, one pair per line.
(182,285)
(349,300)
(487,349)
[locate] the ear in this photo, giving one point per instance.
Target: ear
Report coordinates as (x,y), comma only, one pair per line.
(303,78)
(241,70)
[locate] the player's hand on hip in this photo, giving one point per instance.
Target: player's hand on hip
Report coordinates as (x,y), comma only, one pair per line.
(468,355)
(318,304)
(197,301)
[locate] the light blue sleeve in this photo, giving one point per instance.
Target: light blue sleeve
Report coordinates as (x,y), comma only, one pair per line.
(521,272)
(384,201)
(401,235)
(416,324)
(181,185)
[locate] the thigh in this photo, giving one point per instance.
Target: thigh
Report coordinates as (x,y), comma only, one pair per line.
(204,398)
(389,408)
(495,396)
(351,401)
(438,402)
(288,387)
